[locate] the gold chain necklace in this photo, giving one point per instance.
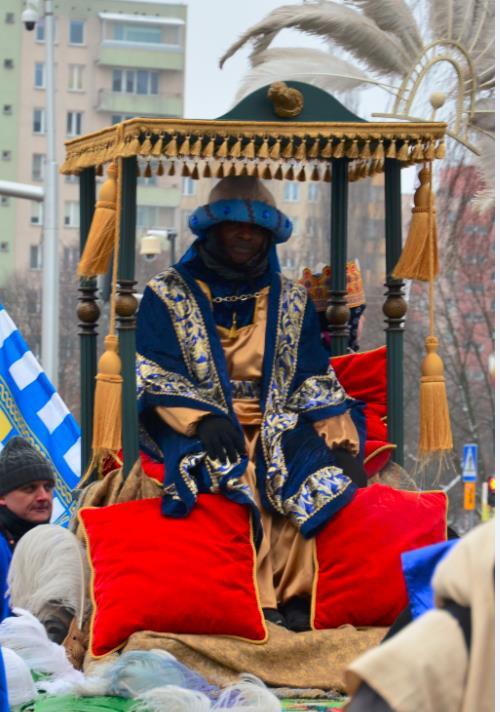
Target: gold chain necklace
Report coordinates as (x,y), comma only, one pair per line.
(235,298)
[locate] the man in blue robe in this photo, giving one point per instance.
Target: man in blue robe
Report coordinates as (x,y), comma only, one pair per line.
(236,392)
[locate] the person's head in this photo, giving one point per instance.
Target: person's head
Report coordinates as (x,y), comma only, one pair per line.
(241,220)
(26,482)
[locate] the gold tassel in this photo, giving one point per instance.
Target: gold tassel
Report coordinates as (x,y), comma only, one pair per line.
(391,151)
(132,146)
(207,173)
(195,173)
(353,151)
(147,146)
(171,149)
(402,154)
(441,149)
(184,148)
(314,150)
(267,174)
(147,170)
(275,152)
(290,174)
(328,174)
(158,146)
(300,151)
(263,151)
(243,171)
(327,150)
(171,170)
(196,147)
(420,245)
(315,172)
(379,153)
(107,428)
(372,168)
(208,151)
(287,152)
(99,245)
(302,174)
(185,173)
(365,151)
(235,151)
(138,169)
(418,152)
(435,428)
(249,150)
(221,152)
(429,153)
(339,150)
(160,170)
(232,170)
(278,175)
(220,173)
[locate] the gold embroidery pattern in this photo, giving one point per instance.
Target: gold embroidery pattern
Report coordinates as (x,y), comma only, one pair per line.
(318,490)
(317,392)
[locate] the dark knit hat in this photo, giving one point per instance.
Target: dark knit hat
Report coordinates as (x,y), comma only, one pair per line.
(21,464)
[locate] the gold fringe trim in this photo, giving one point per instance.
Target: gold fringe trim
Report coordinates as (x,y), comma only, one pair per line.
(326,151)
(263,151)
(275,152)
(221,151)
(235,151)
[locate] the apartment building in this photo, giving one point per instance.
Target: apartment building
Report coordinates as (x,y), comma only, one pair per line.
(114,59)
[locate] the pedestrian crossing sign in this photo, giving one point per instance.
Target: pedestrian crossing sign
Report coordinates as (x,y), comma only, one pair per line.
(469,463)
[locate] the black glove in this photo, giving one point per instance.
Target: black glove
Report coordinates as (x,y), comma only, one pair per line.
(220,438)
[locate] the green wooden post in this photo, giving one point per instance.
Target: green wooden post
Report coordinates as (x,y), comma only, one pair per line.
(394,309)
(337,313)
(88,315)
(126,306)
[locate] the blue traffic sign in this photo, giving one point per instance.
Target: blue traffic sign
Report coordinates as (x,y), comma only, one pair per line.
(469,463)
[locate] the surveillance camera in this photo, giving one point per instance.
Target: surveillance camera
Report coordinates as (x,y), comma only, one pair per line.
(150,247)
(29,18)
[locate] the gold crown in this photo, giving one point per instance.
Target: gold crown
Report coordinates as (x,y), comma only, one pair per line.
(318,285)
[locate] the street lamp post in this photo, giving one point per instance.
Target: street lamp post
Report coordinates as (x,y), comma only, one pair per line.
(50,246)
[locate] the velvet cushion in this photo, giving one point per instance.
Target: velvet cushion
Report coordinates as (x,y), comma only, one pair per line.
(359,577)
(363,375)
(192,575)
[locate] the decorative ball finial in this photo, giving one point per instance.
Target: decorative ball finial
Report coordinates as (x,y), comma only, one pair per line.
(287,102)
(437,99)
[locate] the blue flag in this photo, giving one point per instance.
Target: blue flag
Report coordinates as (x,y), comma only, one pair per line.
(31,407)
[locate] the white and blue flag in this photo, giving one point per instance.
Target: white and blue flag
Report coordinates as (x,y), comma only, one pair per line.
(31,407)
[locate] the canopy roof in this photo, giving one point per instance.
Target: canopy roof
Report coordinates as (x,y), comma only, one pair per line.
(285,123)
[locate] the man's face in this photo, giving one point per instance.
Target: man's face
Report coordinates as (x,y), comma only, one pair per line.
(31,502)
(242,241)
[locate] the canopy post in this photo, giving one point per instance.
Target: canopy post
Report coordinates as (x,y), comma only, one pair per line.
(337,313)
(394,309)
(126,306)
(88,314)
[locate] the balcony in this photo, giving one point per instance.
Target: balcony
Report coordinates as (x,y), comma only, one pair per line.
(139,104)
(139,57)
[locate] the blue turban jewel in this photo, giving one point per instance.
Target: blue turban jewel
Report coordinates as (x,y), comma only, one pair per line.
(254,212)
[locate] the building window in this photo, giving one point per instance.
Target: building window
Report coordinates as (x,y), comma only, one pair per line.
(70,257)
(74,123)
(8,64)
(75,78)
(118,118)
(291,192)
(6,155)
(39,75)
(35,257)
(36,213)
(312,192)
(76,32)
(142,34)
(39,121)
(4,246)
(154,216)
(132,81)
(7,109)
(40,30)
(71,213)
(9,18)
(38,166)
(188,187)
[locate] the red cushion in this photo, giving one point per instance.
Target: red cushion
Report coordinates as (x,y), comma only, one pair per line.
(364,376)
(150,572)
(359,579)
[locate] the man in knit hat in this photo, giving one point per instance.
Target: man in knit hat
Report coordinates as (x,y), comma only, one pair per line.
(27,483)
(237,395)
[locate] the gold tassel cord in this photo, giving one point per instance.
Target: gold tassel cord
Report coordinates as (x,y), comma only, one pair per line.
(98,248)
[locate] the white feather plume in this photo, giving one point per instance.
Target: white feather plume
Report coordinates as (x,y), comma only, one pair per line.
(396,17)
(173,699)
(304,65)
(485,198)
(249,694)
(20,685)
(351,29)
(49,565)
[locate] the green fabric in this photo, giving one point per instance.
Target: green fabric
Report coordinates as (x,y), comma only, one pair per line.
(69,703)
(301,705)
